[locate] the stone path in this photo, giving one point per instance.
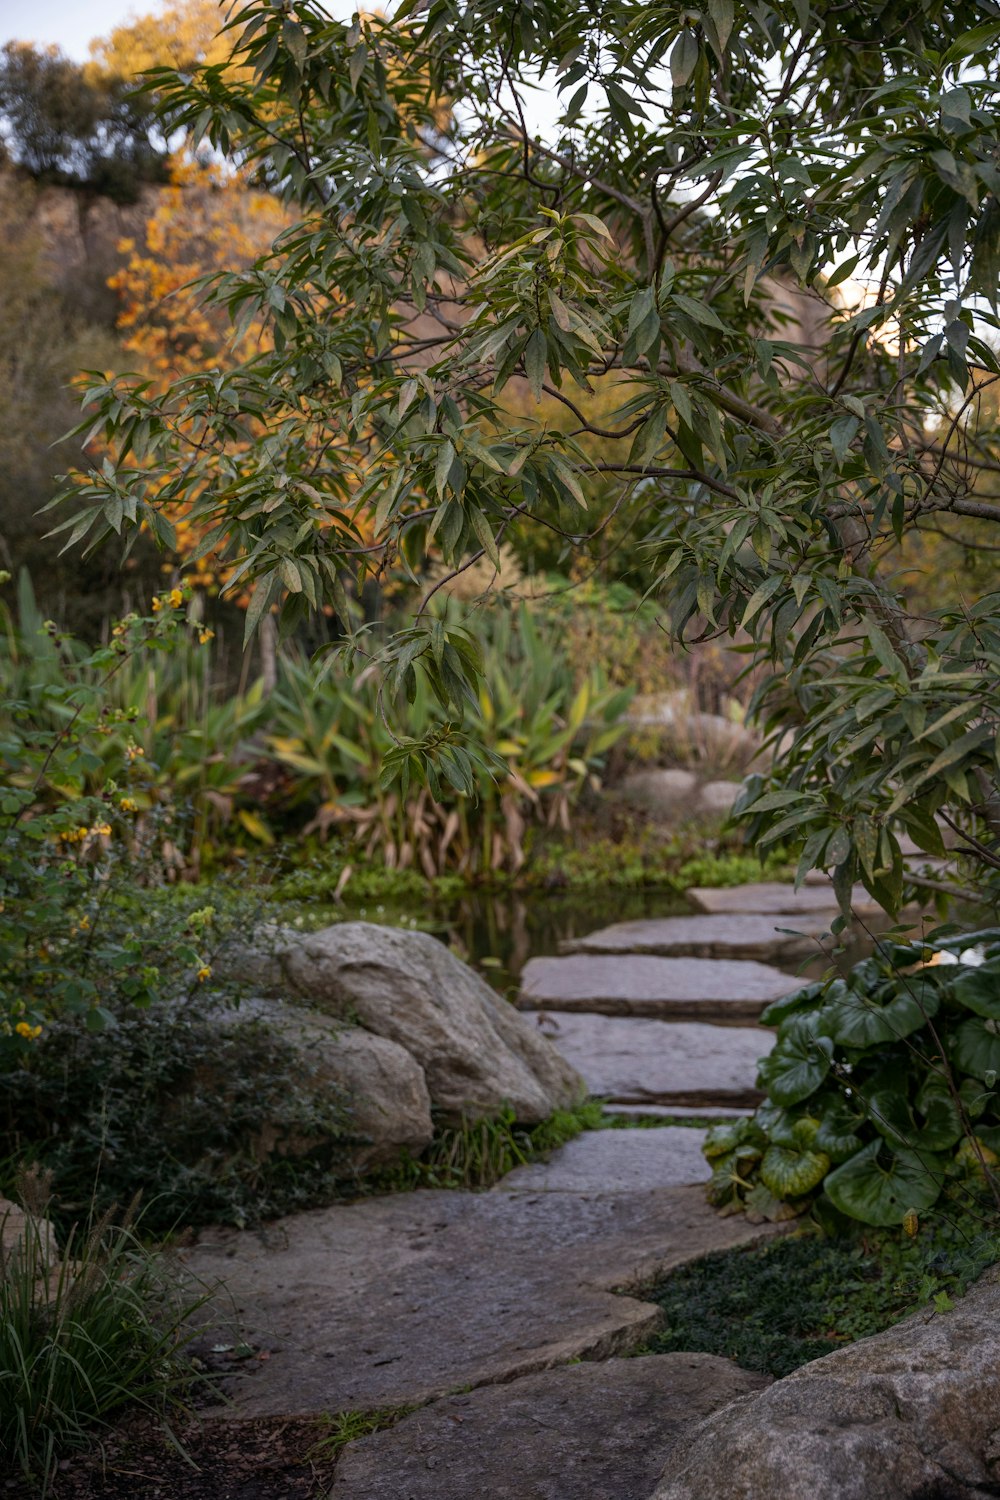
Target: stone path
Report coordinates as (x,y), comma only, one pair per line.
(724,991)
(629,1060)
(400,1300)
(477,1308)
(742,935)
(631,1161)
(586,1432)
(784,900)
(662,1012)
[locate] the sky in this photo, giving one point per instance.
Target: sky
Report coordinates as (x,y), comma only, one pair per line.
(71,24)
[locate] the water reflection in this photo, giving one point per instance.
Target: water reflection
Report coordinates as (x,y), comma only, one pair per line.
(498,932)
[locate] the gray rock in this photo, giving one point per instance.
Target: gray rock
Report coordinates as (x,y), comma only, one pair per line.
(717,797)
(779,939)
(24,1234)
(605,1161)
(587,1432)
(663,709)
(769,896)
(389,1103)
(914,1411)
(476,1053)
(632,1061)
(388,1106)
(725,991)
(661,790)
(398,1300)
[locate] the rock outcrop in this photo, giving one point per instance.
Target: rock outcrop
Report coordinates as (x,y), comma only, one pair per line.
(909,1414)
(387,1106)
(477,1054)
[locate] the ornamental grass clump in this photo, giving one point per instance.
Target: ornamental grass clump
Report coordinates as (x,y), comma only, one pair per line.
(84,1333)
(881,1091)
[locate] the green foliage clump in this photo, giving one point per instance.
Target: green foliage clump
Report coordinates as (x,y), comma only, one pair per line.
(145,715)
(881,1089)
(777,1306)
(84,1333)
(191,1113)
(74,843)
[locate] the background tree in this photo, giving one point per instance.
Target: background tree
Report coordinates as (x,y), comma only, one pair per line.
(61,127)
(706,162)
(177,36)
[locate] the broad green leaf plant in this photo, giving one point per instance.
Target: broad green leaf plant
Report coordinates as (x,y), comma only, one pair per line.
(742,291)
(881,1091)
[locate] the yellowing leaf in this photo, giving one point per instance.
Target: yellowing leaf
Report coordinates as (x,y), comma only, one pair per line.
(255,826)
(543,777)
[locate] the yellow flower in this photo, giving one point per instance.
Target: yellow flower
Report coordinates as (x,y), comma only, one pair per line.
(176,598)
(204,973)
(157,605)
(204,636)
(28,1032)
(128,805)
(84,924)
(102,828)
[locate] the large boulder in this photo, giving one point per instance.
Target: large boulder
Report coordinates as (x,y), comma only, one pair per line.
(913,1412)
(477,1053)
(387,1106)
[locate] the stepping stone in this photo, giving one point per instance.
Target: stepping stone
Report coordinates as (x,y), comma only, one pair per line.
(631,1061)
(399,1300)
(780,939)
(773,896)
(676,1111)
(729,992)
(632,1161)
(586,1432)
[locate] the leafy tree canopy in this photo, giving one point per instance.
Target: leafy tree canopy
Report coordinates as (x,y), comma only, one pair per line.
(60,126)
(753,265)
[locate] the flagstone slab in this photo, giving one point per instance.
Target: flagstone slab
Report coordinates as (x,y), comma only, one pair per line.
(601,1161)
(728,992)
(677,1112)
(586,1432)
(775,939)
(398,1300)
(779,898)
(628,1060)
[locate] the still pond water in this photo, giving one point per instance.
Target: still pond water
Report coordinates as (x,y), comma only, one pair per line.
(498,933)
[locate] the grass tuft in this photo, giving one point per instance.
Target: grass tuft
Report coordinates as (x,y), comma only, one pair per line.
(480,1153)
(84,1332)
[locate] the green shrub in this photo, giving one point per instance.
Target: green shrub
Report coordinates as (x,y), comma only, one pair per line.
(189,1113)
(83,1336)
(881,1089)
(73,840)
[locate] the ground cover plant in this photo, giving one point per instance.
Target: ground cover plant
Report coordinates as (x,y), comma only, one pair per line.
(881,1089)
(777,1306)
